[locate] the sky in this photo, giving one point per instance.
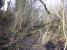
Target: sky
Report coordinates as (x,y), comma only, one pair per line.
(38,5)
(6,5)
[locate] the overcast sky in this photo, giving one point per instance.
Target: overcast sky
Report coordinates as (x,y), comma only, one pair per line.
(50,4)
(5,5)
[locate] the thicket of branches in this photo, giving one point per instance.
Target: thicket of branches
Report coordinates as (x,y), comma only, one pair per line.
(26,22)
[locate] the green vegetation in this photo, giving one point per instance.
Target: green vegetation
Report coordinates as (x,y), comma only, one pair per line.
(31,27)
